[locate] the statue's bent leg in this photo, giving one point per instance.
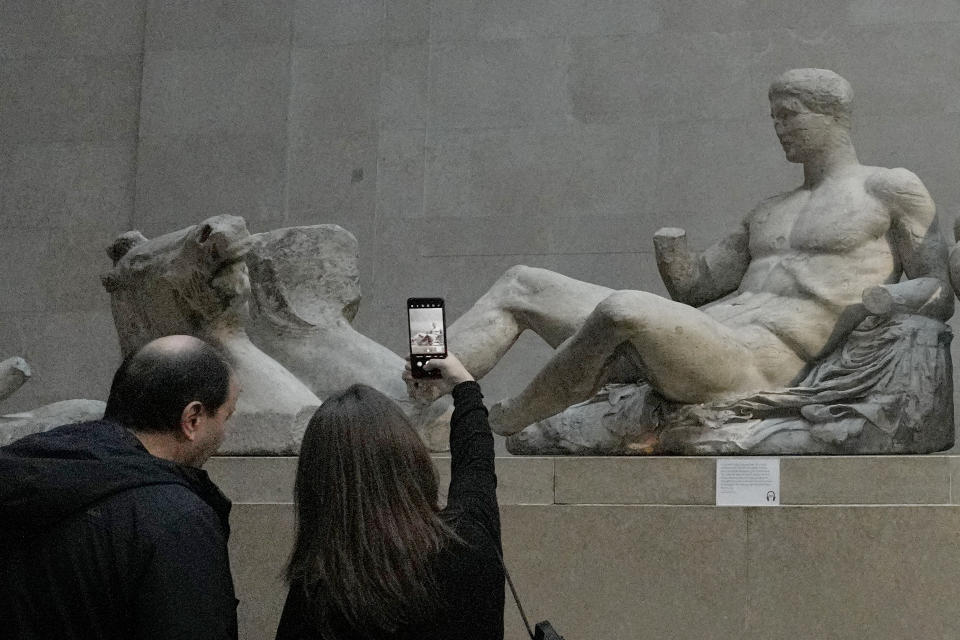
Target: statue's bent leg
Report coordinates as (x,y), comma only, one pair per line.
(551,305)
(687,355)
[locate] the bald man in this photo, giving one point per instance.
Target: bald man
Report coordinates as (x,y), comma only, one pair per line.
(110,529)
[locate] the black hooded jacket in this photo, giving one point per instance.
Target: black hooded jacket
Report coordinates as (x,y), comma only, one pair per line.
(101,540)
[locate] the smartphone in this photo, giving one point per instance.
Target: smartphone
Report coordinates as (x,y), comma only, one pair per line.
(427,321)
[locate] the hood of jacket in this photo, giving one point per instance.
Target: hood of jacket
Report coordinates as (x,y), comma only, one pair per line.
(48,477)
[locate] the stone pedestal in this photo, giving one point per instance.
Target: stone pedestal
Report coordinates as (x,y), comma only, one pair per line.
(611,548)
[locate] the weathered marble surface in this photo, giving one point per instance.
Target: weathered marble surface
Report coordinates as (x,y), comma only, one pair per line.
(278,303)
(305,293)
(888,389)
(954,265)
(14,426)
(194,281)
(775,306)
(14,373)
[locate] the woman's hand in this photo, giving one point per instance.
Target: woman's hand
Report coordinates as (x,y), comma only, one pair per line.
(426,390)
(450,368)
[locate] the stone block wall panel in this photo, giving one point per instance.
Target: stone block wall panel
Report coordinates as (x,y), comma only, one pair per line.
(84,185)
(213,121)
(179,25)
(847,560)
(404,89)
(76,99)
(184,179)
(459,20)
(214,91)
(52,29)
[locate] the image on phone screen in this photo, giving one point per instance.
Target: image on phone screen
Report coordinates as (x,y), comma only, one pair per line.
(426,331)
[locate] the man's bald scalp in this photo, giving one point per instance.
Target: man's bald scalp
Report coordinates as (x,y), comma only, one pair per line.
(154,384)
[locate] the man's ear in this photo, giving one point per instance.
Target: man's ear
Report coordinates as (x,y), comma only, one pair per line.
(190,419)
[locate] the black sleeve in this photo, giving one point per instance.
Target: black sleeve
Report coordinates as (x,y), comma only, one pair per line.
(473,479)
(186,590)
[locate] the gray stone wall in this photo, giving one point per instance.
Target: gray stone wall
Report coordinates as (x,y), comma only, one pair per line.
(454,138)
(70,78)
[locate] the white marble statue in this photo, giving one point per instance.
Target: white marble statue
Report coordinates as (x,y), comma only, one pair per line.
(194,281)
(279,304)
(753,314)
(14,426)
(14,372)
(286,330)
(954,264)
(305,284)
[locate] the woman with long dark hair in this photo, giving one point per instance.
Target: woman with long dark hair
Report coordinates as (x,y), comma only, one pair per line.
(374,555)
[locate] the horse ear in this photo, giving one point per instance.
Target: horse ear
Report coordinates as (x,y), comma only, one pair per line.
(123,244)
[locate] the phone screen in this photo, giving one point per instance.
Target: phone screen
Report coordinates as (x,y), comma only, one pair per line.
(427,331)
(428,339)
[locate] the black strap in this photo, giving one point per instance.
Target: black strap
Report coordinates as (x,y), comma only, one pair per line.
(516,598)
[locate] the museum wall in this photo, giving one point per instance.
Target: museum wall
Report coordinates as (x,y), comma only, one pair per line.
(454,138)
(70,76)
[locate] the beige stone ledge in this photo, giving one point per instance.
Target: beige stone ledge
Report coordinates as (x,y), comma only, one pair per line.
(667,481)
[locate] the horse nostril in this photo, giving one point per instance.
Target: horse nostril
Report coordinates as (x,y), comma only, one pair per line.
(205,232)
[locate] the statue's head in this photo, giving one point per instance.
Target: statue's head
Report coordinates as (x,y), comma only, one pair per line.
(811,109)
(193,281)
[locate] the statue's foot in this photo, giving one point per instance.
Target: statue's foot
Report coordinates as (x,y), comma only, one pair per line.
(506,420)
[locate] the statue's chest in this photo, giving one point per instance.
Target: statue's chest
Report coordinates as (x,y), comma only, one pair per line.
(831,221)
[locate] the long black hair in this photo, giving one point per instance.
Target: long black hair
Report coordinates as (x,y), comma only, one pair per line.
(367,517)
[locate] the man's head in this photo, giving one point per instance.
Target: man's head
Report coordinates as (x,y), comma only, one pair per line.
(178,391)
(811,109)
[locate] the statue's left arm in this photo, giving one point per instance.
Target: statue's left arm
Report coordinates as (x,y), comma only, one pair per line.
(920,247)
(696,278)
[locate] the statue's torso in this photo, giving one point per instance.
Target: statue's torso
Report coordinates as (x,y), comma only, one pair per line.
(813,252)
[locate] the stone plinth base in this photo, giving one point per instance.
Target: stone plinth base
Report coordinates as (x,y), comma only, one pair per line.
(613,548)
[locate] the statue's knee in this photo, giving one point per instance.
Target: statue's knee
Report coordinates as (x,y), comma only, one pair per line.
(516,283)
(623,309)
(515,274)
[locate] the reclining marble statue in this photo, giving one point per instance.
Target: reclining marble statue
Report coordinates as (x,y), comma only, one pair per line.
(815,326)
